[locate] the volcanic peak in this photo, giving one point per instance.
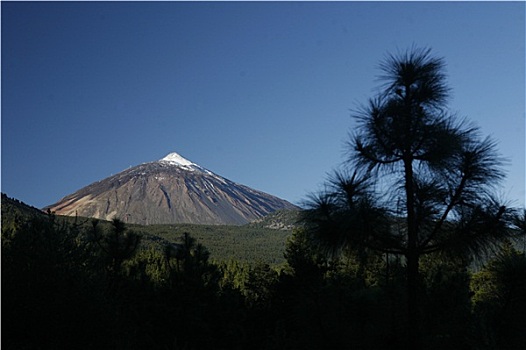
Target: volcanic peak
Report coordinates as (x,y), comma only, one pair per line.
(170,190)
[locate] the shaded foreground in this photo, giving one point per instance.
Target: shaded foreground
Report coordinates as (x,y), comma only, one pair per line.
(66,285)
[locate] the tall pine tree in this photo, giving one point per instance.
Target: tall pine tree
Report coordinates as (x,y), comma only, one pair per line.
(421,181)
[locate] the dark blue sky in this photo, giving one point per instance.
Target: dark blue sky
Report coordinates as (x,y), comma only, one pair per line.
(258,92)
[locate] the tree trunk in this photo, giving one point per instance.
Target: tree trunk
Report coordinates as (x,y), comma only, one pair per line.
(413,333)
(412,257)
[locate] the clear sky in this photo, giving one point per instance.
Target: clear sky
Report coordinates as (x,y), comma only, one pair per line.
(258,92)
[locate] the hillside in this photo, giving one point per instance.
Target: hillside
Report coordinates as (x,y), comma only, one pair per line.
(13,208)
(284,219)
(224,242)
(250,243)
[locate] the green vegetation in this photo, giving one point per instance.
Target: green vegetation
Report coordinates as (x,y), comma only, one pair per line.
(247,243)
(84,285)
(225,242)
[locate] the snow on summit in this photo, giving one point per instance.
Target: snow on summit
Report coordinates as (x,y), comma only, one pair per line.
(177,159)
(180,161)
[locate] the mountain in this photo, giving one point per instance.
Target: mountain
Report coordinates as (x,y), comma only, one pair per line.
(167,191)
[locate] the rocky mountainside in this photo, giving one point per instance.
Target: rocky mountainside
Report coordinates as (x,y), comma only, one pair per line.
(171,190)
(283,219)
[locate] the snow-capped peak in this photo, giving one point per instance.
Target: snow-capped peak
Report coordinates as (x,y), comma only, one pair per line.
(177,159)
(181,162)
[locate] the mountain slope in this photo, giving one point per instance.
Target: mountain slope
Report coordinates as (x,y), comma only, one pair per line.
(171,190)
